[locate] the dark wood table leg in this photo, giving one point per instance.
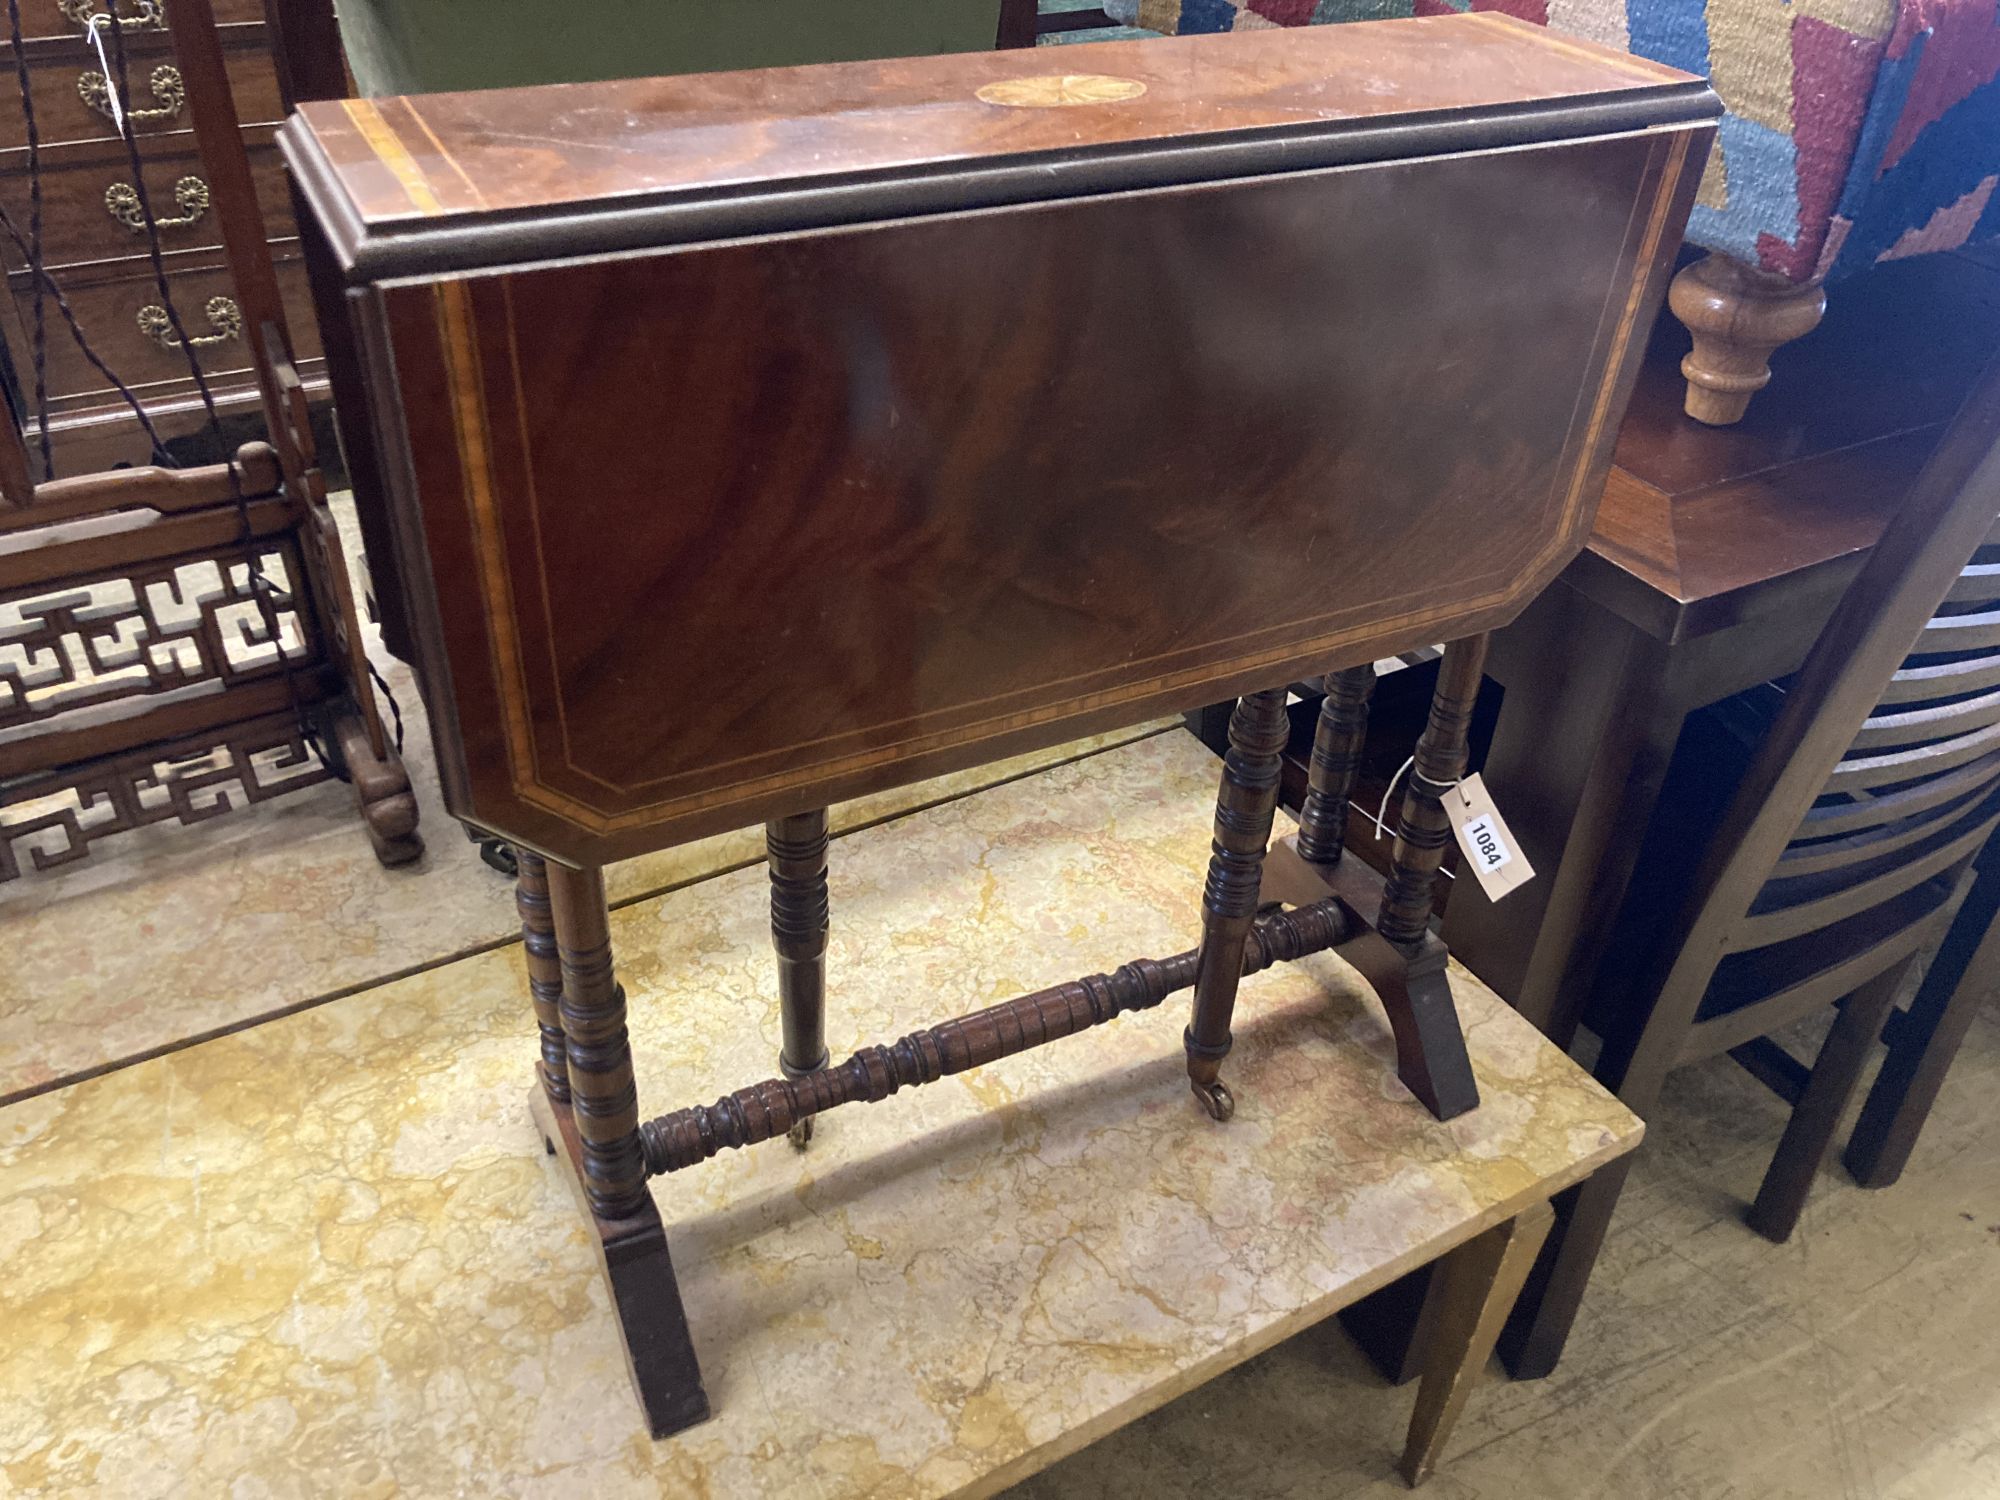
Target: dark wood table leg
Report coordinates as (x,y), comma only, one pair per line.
(1579,754)
(1593,711)
(1245,808)
(1019,22)
(1423,828)
(538,938)
(1414,985)
(1336,759)
(1537,1330)
(1634,1068)
(795,850)
(597,1134)
(1408,976)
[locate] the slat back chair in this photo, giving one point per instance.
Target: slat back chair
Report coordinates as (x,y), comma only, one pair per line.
(1844,850)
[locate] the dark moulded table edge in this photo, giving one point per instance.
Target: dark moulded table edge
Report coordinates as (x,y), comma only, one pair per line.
(1681,611)
(1673,620)
(418,247)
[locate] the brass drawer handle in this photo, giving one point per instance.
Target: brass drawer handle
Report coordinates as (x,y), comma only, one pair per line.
(224,316)
(121,201)
(95,90)
(150,15)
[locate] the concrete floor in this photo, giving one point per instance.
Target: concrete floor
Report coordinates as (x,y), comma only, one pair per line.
(1862,1359)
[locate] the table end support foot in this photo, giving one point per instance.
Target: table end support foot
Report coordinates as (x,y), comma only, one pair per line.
(645,1296)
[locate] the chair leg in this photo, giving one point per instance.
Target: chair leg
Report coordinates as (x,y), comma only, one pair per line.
(796,852)
(1939,1017)
(1809,1132)
(1244,810)
(1482,1278)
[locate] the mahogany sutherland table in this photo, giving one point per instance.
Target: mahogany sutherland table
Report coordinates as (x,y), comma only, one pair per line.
(757,440)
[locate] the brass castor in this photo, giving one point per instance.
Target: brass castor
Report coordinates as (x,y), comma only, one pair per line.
(801,1134)
(1215,1098)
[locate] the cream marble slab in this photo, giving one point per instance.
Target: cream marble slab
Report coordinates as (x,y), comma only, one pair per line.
(168,933)
(326,1256)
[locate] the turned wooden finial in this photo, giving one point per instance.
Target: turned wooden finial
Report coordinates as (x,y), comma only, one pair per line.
(1738,316)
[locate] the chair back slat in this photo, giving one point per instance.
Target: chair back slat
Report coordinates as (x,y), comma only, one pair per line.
(1946,679)
(1978,584)
(1791,907)
(1948,633)
(1879,837)
(1927,724)
(1937,726)
(1830,818)
(1859,772)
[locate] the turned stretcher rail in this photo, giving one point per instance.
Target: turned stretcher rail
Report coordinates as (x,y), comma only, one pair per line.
(764,1110)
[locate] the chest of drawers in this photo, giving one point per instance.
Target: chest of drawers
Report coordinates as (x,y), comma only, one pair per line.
(94,242)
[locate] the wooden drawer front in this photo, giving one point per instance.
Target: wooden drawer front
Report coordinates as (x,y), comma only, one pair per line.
(63,113)
(109,309)
(49,20)
(78,226)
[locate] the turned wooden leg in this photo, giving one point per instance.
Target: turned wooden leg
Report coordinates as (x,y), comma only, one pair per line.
(597,1134)
(601,1087)
(1411,974)
(795,849)
(382,787)
(1423,828)
(545,986)
(1244,810)
(1738,316)
(1336,757)
(1481,1279)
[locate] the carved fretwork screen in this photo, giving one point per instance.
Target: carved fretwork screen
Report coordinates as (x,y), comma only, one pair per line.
(88,652)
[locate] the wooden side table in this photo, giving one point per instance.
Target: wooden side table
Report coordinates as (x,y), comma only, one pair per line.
(1716,557)
(842,456)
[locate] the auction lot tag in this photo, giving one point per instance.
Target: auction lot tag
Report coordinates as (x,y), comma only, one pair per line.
(1495,860)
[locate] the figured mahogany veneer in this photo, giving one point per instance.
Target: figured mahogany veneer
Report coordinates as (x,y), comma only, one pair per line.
(451,180)
(1319,379)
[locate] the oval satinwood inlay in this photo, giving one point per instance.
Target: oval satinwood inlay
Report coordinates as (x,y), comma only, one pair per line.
(1056,90)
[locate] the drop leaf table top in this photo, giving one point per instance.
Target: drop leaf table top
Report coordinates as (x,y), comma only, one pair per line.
(762,440)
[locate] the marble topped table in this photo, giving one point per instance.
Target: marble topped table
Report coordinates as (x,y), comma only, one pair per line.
(327,1255)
